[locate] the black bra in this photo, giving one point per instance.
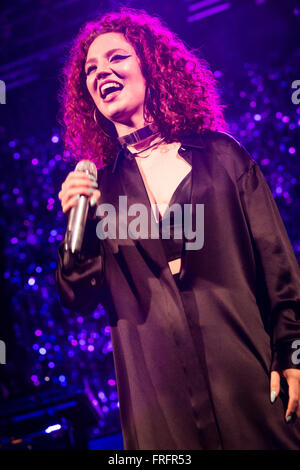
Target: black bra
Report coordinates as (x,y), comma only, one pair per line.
(172,246)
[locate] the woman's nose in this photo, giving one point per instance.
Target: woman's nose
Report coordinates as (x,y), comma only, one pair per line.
(103,74)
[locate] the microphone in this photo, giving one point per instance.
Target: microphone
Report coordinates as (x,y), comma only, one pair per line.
(77,219)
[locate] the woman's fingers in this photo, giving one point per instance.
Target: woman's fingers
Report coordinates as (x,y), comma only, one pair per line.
(95,198)
(274,385)
(292,377)
(76,184)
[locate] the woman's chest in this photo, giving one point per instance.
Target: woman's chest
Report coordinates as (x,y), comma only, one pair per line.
(162,174)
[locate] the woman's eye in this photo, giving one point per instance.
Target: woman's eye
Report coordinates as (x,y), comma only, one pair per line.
(117,57)
(90,69)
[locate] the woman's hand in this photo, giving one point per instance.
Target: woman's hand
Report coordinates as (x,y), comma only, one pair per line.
(292,377)
(78,183)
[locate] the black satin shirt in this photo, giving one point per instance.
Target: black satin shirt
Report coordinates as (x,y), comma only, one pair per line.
(246,294)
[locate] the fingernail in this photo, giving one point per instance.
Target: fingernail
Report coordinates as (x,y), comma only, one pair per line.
(91,177)
(288,419)
(91,190)
(93,201)
(95,184)
(273,396)
(75,198)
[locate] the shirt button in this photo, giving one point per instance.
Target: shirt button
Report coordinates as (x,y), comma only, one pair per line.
(93,281)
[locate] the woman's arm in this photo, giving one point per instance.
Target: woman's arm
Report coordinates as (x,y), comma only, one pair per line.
(81,283)
(278,263)
(83,287)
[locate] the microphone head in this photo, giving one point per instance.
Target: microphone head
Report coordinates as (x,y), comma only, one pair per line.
(88,167)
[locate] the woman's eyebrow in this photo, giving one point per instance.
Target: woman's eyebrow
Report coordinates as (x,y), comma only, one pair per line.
(111,51)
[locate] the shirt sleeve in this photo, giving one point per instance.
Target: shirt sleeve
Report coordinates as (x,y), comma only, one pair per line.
(277,263)
(82,287)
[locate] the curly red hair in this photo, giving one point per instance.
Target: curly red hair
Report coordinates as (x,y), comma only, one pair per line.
(183,94)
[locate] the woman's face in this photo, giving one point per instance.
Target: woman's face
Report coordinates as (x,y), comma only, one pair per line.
(115,81)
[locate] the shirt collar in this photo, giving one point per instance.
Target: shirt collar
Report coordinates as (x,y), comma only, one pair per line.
(187,142)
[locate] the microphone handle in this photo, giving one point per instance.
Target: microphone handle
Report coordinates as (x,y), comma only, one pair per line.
(76,225)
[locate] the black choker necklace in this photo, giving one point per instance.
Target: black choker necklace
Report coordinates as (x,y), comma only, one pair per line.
(139,135)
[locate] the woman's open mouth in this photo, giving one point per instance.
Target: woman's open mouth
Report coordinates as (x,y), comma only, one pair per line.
(110,90)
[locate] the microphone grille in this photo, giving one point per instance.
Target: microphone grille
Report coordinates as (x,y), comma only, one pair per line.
(87,166)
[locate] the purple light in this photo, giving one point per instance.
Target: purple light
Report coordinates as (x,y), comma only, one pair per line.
(14,240)
(252,104)
(35,161)
(38,269)
(218,73)
(31,281)
(279,190)
(16,155)
(34,378)
(102,396)
(91,348)
(54,427)
(12,144)
(278,115)
(62,378)
(257,117)
(285,119)
(208,12)
(35,347)
(292,150)
(74,342)
(55,139)
(32,239)
(51,365)
(107,330)
(265,161)
(80,320)
(38,332)
(282,147)
(42,351)
(107,348)
(111,382)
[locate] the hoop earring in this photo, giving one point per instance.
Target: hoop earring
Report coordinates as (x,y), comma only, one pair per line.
(95,119)
(149,99)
